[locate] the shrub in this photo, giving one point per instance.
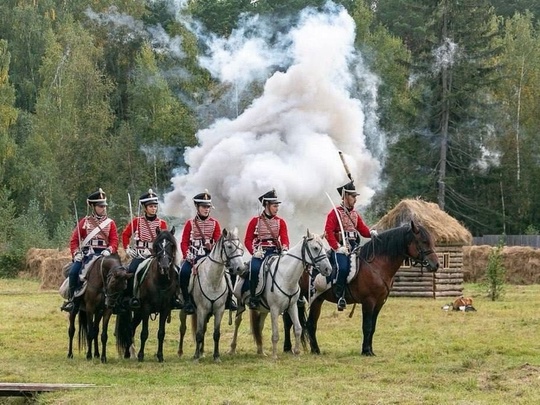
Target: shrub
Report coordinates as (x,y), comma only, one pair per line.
(495,274)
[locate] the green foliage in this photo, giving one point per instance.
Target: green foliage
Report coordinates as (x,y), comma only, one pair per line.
(495,274)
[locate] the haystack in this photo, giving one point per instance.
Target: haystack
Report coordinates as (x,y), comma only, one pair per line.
(450,237)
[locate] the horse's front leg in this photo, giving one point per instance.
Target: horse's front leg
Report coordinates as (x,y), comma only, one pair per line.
(274,314)
(144,337)
(71,333)
(234,341)
(161,334)
(311,325)
(287,325)
(369,321)
(295,320)
(104,334)
(97,322)
(199,335)
(182,329)
(218,316)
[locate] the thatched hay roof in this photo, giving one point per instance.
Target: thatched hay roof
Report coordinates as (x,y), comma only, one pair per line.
(444,228)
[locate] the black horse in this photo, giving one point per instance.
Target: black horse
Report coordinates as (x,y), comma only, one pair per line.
(377,262)
(106,280)
(156,290)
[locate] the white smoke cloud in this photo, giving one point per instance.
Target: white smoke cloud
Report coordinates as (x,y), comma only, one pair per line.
(289,137)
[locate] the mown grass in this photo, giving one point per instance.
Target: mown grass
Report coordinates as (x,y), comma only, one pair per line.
(424,356)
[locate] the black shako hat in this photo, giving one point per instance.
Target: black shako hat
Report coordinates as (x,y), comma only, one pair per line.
(347,188)
(204,199)
(148,198)
(270,197)
(97,198)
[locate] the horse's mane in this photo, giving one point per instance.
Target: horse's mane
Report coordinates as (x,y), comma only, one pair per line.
(392,242)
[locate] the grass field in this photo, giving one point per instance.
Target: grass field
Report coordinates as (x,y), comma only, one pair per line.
(424,356)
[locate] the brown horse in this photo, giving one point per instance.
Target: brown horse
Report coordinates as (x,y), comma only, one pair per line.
(377,262)
(106,280)
(156,290)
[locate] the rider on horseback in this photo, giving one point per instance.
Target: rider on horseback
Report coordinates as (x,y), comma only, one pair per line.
(353,227)
(266,234)
(94,235)
(198,238)
(143,230)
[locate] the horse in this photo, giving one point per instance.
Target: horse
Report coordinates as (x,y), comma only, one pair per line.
(377,262)
(106,280)
(210,289)
(156,290)
(281,290)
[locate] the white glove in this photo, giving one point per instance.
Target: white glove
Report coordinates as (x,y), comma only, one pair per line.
(78,256)
(146,252)
(343,250)
(284,251)
(131,252)
(190,256)
(106,253)
(374,233)
(258,254)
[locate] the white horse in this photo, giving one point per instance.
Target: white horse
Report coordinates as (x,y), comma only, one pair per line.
(209,289)
(281,290)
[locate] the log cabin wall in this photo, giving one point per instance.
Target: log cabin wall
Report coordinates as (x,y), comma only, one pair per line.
(446,282)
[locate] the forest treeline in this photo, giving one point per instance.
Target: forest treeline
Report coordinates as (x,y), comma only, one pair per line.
(85,102)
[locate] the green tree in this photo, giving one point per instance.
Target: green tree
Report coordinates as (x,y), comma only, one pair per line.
(8,113)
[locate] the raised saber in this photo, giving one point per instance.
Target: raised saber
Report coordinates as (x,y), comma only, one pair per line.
(339,220)
(77,225)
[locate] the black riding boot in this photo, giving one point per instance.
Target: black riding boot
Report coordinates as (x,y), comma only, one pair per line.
(253,299)
(69,305)
(230,304)
(189,308)
(340,294)
(134,302)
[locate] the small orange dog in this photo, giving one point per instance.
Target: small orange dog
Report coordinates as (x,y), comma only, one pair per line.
(463,304)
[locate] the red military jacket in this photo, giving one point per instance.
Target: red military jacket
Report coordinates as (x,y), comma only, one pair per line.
(106,237)
(144,231)
(195,239)
(352,223)
(267,233)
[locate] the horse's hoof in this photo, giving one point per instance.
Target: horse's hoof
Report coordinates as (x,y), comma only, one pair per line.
(217,360)
(103,360)
(70,355)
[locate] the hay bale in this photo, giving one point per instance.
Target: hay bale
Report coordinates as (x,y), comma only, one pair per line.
(522,263)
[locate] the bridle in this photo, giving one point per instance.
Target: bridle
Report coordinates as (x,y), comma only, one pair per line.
(164,258)
(421,260)
(305,249)
(224,256)
(111,297)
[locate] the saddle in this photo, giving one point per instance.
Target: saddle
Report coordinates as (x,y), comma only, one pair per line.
(64,288)
(241,288)
(320,284)
(140,275)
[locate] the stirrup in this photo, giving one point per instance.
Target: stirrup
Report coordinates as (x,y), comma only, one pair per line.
(231,305)
(176,303)
(253,302)
(67,306)
(134,303)
(341,304)
(189,308)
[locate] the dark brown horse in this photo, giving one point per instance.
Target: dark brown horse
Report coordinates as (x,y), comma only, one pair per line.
(378,261)
(106,280)
(157,290)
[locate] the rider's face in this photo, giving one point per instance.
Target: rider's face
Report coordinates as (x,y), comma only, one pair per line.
(272,209)
(204,210)
(349,200)
(100,209)
(151,209)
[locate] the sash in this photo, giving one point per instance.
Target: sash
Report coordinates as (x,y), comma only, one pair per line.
(95,231)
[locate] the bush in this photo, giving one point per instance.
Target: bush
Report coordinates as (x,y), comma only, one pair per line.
(10,264)
(495,274)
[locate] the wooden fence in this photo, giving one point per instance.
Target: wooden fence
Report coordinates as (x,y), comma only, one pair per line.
(508,240)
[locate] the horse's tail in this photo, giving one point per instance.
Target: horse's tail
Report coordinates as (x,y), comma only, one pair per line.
(123,332)
(256,328)
(82,330)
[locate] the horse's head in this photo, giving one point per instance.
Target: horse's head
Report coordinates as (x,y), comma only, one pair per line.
(315,254)
(165,249)
(116,281)
(231,251)
(421,248)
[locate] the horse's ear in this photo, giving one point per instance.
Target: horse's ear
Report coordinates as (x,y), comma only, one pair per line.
(308,234)
(225,232)
(414,227)
(158,230)
(235,231)
(173,230)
